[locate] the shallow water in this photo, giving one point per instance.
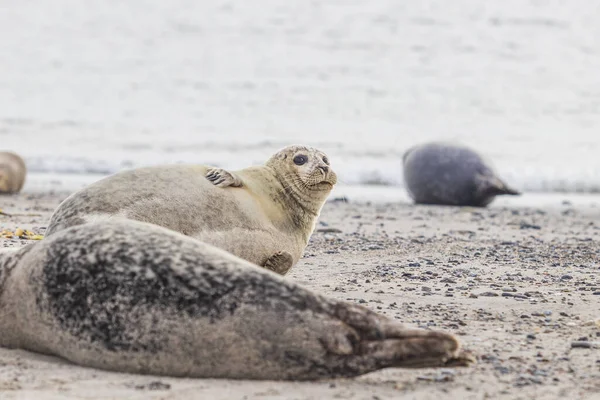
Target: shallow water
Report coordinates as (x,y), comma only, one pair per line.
(97,86)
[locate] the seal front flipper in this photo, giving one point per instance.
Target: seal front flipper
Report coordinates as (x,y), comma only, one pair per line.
(222,178)
(280,262)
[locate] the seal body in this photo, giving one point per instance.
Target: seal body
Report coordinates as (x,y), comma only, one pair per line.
(12,172)
(134,297)
(448,174)
(263,214)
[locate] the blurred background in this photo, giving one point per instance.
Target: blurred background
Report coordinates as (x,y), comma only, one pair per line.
(91,87)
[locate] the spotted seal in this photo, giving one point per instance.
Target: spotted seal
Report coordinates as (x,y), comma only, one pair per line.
(133,297)
(449,174)
(263,214)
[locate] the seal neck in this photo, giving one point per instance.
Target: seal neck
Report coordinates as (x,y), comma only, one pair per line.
(302,208)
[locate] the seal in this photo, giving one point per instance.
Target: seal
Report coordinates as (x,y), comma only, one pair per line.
(134,297)
(12,172)
(263,214)
(449,174)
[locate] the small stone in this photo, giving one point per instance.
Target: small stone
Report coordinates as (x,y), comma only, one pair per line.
(329,230)
(531,336)
(489,294)
(584,344)
(525,225)
(155,385)
(566,277)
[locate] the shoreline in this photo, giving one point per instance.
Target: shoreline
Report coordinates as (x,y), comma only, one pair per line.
(61,183)
(517,284)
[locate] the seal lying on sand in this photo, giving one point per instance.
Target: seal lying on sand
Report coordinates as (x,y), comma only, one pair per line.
(263,214)
(12,172)
(440,173)
(134,297)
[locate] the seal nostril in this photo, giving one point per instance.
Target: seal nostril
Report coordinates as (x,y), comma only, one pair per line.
(324,168)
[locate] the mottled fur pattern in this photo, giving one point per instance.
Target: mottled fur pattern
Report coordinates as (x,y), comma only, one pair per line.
(265,210)
(447,174)
(134,297)
(12,172)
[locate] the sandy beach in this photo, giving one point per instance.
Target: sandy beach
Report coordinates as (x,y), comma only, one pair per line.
(517,284)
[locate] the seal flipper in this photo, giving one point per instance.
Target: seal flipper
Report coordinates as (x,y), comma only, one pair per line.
(280,262)
(223,178)
(426,349)
(379,342)
(490,185)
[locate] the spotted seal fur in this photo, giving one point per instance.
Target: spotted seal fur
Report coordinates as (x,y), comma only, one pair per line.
(133,297)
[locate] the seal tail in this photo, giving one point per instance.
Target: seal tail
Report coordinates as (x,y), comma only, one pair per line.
(493,186)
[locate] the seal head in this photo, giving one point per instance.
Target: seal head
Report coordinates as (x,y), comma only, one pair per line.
(305,174)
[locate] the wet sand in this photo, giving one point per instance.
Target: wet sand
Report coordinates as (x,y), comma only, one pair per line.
(517,284)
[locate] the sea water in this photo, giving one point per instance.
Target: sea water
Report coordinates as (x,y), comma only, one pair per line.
(88,88)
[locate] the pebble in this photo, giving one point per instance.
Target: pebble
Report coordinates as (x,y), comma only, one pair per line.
(584,344)
(154,385)
(489,294)
(329,230)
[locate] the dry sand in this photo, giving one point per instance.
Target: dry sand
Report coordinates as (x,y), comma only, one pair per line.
(517,284)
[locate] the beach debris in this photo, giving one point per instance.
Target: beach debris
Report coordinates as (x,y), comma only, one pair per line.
(21,234)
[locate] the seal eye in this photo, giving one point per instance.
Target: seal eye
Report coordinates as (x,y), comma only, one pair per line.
(325,160)
(300,160)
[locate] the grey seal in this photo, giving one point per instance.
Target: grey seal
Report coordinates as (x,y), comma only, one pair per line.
(263,214)
(451,174)
(12,172)
(133,297)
